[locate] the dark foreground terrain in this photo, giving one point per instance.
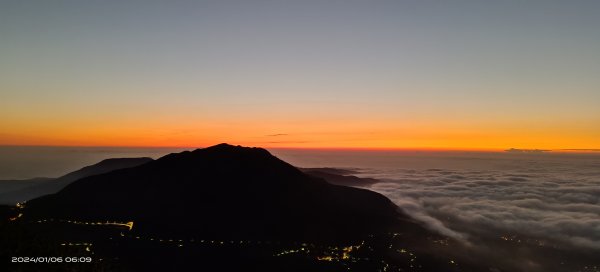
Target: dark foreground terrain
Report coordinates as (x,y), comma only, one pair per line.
(223,208)
(118,246)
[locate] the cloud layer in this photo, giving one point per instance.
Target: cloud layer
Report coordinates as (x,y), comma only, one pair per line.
(551,201)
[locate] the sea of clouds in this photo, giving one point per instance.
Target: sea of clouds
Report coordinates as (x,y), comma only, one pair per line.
(554,200)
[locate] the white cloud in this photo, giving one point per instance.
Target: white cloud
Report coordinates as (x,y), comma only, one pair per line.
(547,203)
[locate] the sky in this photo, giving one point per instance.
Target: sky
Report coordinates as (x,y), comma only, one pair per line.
(306,74)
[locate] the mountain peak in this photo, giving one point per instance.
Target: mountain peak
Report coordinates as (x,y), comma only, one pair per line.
(224,146)
(215,191)
(226,156)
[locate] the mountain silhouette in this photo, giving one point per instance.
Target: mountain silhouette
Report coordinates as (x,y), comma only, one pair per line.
(13,185)
(338,176)
(45,186)
(223,191)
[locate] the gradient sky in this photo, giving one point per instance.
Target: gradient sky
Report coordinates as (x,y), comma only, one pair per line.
(375,74)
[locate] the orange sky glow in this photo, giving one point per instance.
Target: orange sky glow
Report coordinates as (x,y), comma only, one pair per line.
(343,134)
(396,75)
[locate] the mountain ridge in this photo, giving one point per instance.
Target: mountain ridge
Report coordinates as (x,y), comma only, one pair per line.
(45,186)
(223,190)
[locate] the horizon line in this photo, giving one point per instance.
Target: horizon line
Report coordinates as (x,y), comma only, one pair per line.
(334,148)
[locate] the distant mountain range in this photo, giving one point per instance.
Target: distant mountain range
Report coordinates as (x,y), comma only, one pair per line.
(223,191)
(14,191)
(339,176)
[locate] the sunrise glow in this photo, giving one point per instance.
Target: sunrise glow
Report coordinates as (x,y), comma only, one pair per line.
(391,76)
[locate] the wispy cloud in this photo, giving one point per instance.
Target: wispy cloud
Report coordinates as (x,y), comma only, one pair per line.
(288,142)
(277,135)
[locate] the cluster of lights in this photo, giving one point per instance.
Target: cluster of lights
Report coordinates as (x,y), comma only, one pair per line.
(19,206)
(182,242)
(443,242)
(87,246)
(331,253)
(337,255)
(16,217)
(515,239)
(591,268)
(128,225)
(292,251)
